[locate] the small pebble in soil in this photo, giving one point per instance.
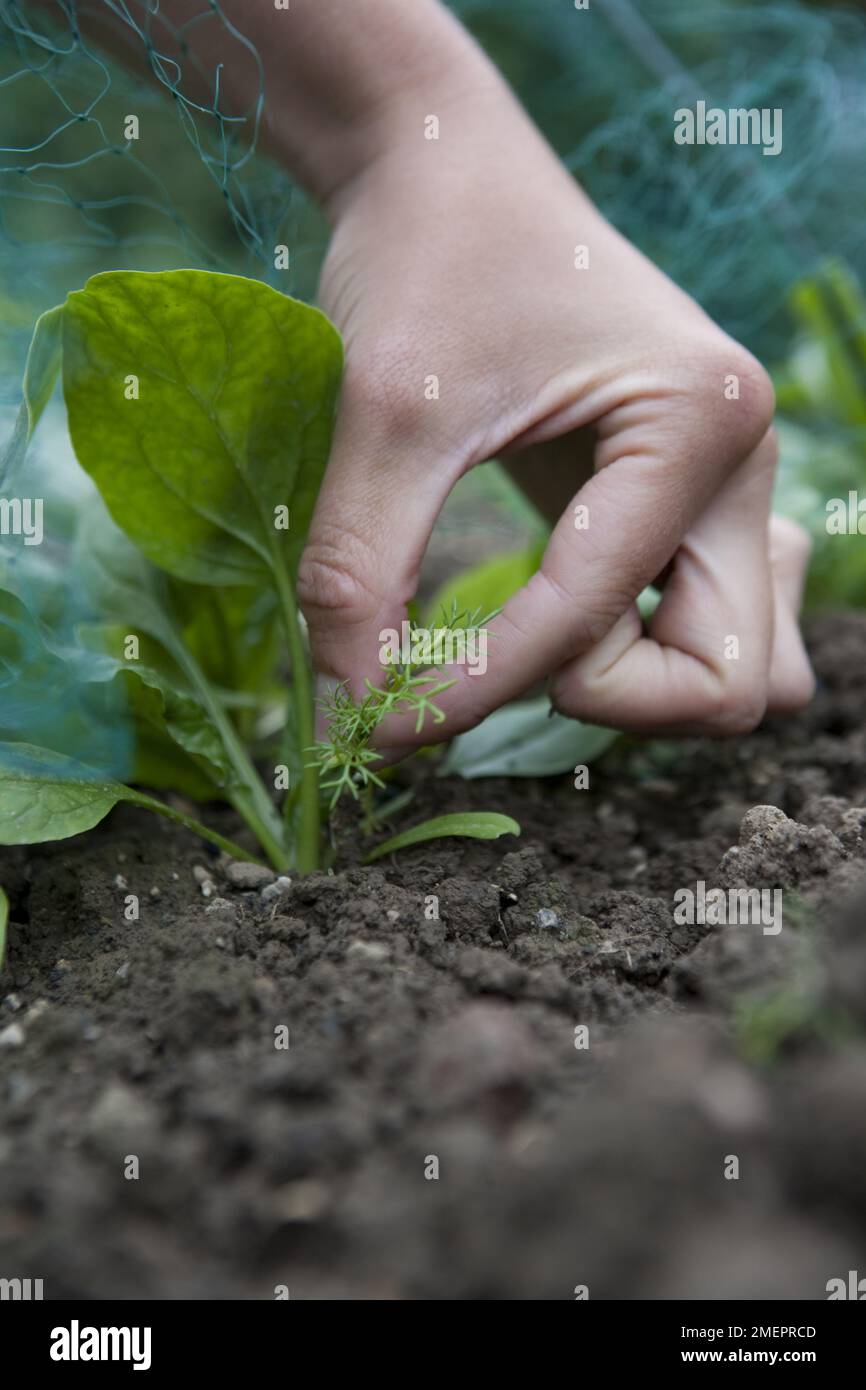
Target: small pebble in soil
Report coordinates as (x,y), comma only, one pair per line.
(20,1089)
(731,1097)
(305,1200)
(249,876)
(369,950)
(12,1002)
(155,893)
(122,971)
(276,890)
(121,1117)
(206,884)
(759,820)
(12,1036)
(221,905)
(547,920)
(120,882)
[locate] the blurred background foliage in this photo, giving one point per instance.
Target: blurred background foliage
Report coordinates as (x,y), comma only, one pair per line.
(772,247)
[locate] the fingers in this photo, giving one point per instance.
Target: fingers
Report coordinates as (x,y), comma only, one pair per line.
(381,495)
(724,644)
(704,665)
(661,461)
(792,681)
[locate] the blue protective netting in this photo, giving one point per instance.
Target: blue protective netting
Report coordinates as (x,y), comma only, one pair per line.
(733,227)
(77,196)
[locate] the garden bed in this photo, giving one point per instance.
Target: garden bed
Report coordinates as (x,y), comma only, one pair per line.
(416,1038)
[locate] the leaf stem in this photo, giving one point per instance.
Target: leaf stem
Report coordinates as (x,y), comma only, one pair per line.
(250,799)
(152,804)
(309,826)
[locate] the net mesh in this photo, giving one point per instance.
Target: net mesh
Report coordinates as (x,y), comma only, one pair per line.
(731,225)
(735,228)
(133,162)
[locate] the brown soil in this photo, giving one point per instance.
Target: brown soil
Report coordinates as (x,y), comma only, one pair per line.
(417,1040)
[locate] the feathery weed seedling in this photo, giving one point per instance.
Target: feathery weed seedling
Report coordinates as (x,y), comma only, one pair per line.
(344,759)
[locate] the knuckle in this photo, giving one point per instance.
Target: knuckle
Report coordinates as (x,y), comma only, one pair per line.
(388,394)
(794,690)
(331,582)
(731,391)
(565,698)
(756,400)
(573,694)
(589,617)
(789,540)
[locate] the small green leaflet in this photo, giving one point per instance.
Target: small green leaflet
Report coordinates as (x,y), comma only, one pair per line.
(473,825)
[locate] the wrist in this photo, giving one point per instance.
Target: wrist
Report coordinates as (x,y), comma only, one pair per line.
(414,62)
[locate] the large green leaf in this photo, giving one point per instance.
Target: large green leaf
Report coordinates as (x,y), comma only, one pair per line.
(46,796)
(121,583)
(54,692)
(159,696)
(202,405)
(118,584)
(525,740)
(829,366)
(237,389)
(473,825)
(234,635)
(165,767)
(57,693)
(40,376)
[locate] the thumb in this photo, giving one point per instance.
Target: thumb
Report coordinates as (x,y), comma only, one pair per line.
(380,498)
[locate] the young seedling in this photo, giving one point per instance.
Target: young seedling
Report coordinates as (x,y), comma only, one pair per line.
(346,757)
(201,406)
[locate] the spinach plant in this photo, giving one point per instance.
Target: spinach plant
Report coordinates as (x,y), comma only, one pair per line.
(201,406)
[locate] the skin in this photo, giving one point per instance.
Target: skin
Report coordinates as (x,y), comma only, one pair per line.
(602,386)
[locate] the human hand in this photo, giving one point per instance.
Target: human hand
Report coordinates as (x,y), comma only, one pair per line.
(454,260)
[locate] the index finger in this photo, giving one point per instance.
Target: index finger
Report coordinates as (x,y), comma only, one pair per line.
(620,532)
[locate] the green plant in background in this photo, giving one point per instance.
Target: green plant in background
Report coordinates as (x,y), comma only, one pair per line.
(201,406)
(821,394)
(795,1010)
